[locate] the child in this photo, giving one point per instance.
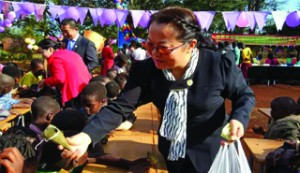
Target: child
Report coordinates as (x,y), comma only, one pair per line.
(6,101)
(102,79)
(121,62)
(285,125)
(43,109)
(17,150)
(113,90)
(93,98)
(35,75)
(14,72)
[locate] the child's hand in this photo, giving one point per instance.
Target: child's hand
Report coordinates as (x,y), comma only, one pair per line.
(12,160)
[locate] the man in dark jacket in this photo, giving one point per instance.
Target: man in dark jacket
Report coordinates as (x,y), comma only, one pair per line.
(74,41)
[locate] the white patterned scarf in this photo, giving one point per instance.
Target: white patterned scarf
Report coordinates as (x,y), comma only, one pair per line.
(174,121)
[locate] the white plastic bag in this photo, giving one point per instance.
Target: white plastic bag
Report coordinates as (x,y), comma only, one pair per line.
(230,159)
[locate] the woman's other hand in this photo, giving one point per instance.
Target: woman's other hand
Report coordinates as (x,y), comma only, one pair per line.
(236,130)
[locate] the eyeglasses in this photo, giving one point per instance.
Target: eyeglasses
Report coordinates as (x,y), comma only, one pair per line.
(160,49)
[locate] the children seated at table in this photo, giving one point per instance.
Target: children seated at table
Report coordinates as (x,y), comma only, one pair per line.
(271,59)
(73,121)
(6,101)
(285,124)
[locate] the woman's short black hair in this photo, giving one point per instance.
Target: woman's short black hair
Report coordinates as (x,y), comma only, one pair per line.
(47,43)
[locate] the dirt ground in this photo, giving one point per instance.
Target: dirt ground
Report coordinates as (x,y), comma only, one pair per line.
(264,95)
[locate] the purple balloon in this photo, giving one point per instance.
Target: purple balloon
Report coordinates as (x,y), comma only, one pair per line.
(108,16)
(7,22)
(11,15)
(73,13)
(145,19)
(2,29)
(293,19)
(27,7)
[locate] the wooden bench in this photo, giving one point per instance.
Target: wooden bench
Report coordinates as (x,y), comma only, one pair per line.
(259,149)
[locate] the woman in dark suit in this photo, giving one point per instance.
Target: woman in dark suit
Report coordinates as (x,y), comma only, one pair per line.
(189,85)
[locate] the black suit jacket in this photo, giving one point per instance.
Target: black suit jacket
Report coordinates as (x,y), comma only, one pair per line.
(87,50)
(216,79)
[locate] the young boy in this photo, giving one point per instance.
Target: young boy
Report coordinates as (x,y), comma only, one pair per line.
(17,150)
(93,97)
(35,75)
(6,101)
(44,109)
(285,124)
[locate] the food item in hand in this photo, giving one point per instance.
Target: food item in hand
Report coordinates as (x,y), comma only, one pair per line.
(151,157)
(54,134)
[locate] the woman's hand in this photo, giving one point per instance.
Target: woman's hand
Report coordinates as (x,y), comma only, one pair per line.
(79,144)
(12,160)
(236,129)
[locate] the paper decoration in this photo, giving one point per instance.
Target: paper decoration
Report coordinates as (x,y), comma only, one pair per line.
(260,18)
(39,10)
(230,19)
(82,13)
(204,18)
(72,13)
(141,18)
(145,19)
(136,16)
(279,18)
(251,19)
(121,17)
(108,17)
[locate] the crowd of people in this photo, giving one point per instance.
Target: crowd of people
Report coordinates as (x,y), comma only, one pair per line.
(185,75)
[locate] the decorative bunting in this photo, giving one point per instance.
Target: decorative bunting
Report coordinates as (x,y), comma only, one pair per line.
(230,19)
(204,18)
(93,12)
(279,18)
(145,19)
(141,17)
(260,18)
(136,16)
(251,19)
(1,5)
(72,12)
(82,13)
(121,17)
(56,10)
(39,10)
(17,8)
(108,17)
(293,19)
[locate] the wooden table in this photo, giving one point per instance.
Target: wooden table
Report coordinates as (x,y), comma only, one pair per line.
(266,112)
(259,149)
(16,117)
